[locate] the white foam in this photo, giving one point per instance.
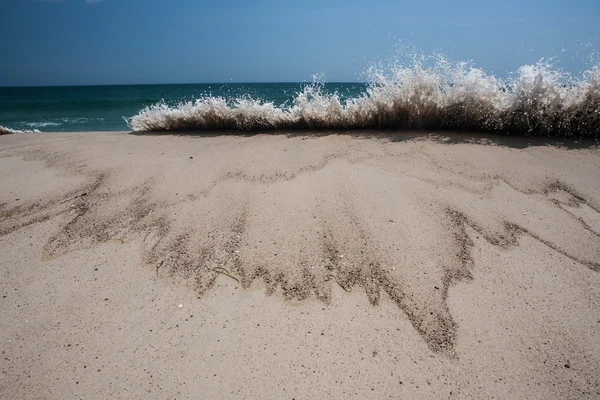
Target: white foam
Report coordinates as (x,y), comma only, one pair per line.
(42,124)
(4,130)
(80,120)
(538,99)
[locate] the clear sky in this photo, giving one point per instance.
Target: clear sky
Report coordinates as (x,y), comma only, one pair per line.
(74,42)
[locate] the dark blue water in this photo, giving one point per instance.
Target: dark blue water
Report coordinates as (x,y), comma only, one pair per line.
(102,108)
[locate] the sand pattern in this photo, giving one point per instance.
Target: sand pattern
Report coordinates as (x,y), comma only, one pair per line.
(297,215)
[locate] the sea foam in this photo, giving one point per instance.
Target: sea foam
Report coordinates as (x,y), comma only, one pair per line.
(5,131)
(536,100)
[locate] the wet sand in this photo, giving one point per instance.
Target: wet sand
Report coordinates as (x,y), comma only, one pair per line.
(298,266)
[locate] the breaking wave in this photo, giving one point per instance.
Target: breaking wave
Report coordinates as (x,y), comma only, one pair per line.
(7,131)
(536,100)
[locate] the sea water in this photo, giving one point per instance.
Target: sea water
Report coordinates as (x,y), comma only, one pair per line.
(536,99)
(103,108)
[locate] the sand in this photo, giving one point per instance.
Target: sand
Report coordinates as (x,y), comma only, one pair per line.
(412,265)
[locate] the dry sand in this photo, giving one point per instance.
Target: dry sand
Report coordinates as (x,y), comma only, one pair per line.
(298,266)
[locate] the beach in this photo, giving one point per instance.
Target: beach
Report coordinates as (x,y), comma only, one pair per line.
(302,264)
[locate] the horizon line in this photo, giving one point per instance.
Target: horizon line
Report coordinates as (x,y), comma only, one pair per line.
(168,84)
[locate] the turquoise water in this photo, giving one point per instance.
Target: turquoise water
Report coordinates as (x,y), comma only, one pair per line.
(536,99)
(102,108)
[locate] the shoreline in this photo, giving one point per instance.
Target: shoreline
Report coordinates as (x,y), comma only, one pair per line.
(449,136)
(448,248)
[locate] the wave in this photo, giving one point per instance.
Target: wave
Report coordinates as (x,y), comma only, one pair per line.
(7,131)
(80,120)
(57,122)
(537,100)
(41,124)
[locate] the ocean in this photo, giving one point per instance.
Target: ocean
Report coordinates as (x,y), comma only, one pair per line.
(536,99)
(103,108)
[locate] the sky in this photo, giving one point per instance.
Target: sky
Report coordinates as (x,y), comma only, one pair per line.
(98,42)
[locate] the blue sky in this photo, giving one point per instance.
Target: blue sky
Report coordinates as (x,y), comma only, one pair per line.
(74,42)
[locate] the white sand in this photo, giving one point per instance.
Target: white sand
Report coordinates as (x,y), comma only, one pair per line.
(405,267)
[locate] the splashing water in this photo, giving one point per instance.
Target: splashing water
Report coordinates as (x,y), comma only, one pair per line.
(7,131)
(537,100)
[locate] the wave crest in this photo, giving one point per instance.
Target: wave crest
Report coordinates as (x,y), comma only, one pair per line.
(538,100)
(7,131)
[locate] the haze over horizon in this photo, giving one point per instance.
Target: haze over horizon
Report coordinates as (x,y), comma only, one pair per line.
(95,42)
